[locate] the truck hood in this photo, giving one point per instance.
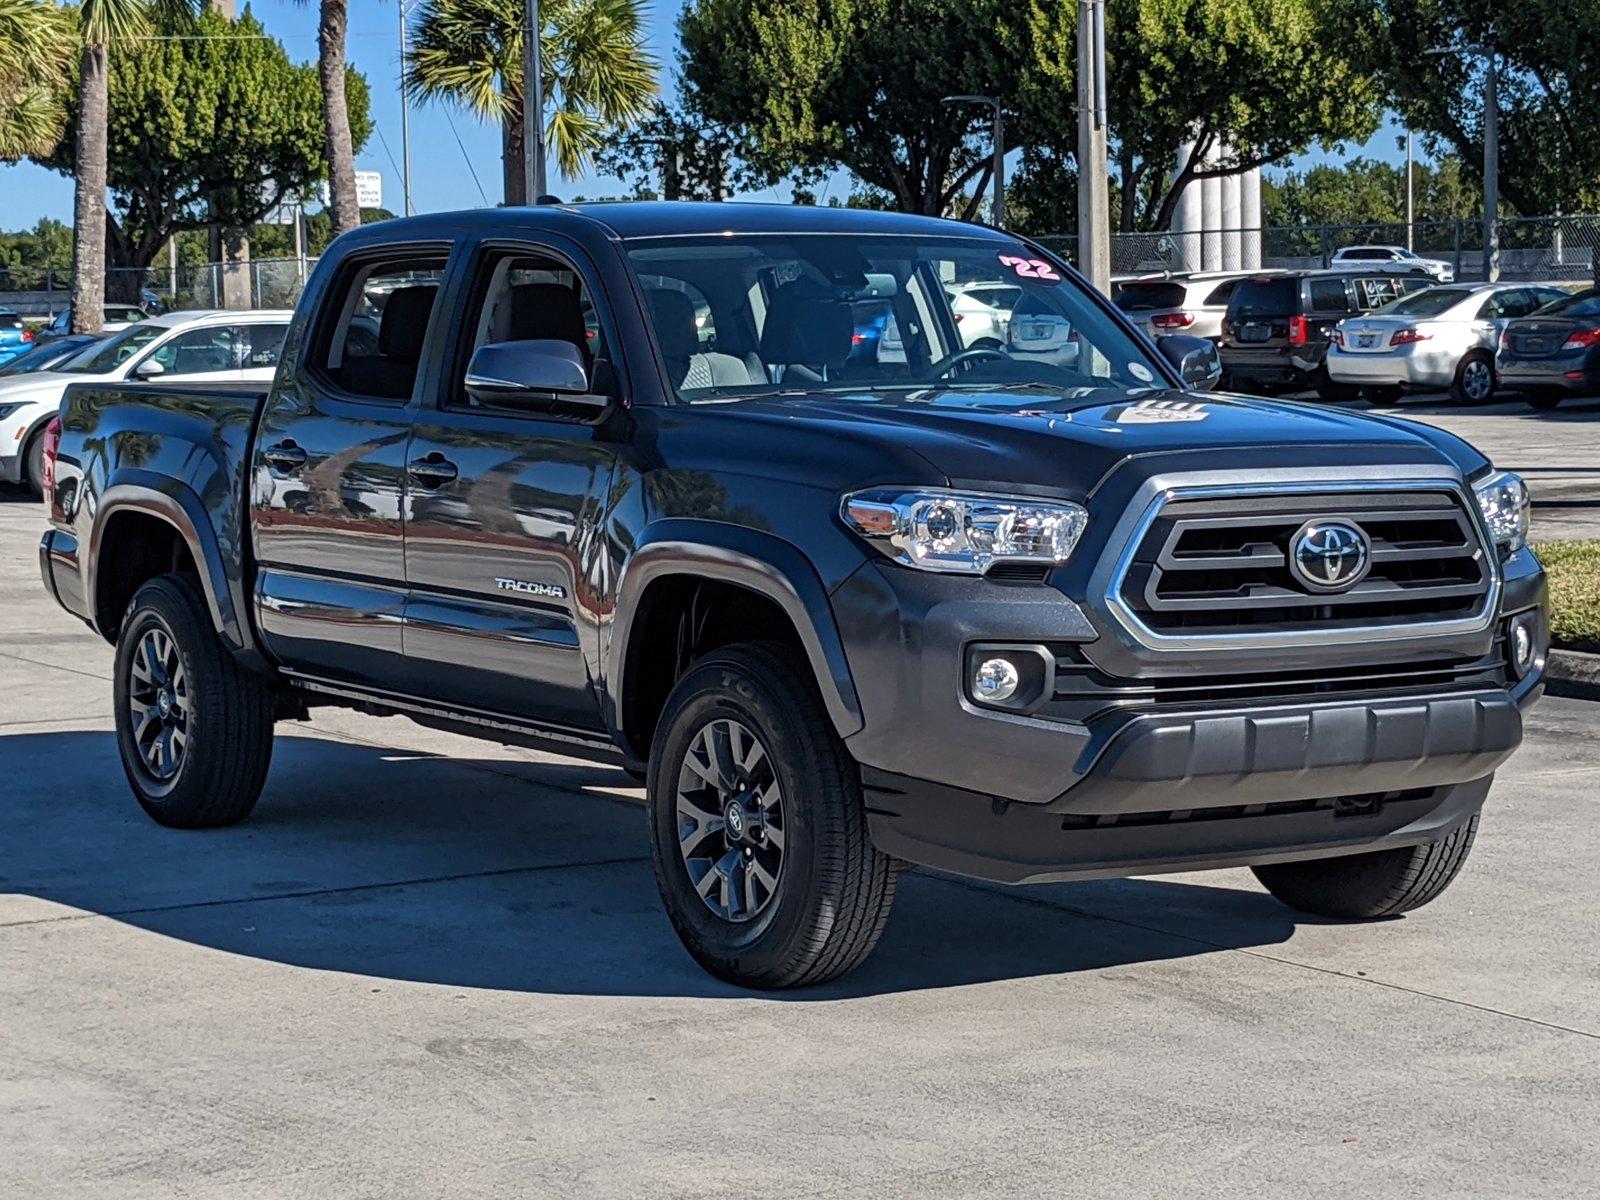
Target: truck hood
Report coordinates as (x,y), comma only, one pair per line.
(1042,438)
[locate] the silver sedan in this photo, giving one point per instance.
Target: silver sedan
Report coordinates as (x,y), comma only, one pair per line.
(1443,337)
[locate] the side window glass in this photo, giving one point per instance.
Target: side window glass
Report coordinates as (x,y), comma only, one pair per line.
(379,322)
(1329,296)
(260,345)
(522,296)
(1374,292)
(197,352)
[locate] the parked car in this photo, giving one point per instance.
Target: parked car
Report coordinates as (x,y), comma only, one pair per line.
(1275,334)
(982,311)
(1443,337)
(1193,304)
(1555,352)
(1393,257)
(42,356)
(15,337)
(114,319)
(992,615)
(230,348)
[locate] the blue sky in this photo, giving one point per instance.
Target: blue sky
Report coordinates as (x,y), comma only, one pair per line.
(442,175)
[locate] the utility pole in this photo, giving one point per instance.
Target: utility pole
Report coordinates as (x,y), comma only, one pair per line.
(405,111)
(997,168)
(532,105)
(1094,204)
(1491,147)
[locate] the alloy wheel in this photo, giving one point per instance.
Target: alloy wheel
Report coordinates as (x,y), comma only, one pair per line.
(158,698)
(730,824)
(1477,380)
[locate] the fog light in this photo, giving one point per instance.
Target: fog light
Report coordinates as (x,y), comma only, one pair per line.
(995,680)
(1521,644)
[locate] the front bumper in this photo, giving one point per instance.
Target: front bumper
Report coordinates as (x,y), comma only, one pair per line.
(1405,366)
(10,468)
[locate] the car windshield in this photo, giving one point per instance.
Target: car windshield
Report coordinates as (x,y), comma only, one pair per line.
(1428,303)
(738,316)
(107,356)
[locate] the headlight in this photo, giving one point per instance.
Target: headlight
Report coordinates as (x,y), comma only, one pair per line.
(964,533)
(7,409)
(1503,497)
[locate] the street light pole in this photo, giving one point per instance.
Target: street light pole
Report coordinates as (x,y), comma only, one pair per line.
(1491,148)
(997,215)
(1410,208)
(532,105)
(1094,201)
(405,112)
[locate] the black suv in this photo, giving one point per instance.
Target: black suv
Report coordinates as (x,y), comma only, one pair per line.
(1275,335)
(629,481)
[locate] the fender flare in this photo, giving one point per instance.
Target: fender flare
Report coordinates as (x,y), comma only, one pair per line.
(176,504)
(760,562)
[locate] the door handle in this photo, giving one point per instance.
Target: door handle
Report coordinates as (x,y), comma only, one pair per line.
(285,456)
(435,470)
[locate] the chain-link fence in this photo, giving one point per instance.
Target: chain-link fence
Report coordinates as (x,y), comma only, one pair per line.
(259,283)
(1555,249)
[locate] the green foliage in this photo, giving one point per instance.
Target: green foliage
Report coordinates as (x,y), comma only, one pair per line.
(675,154)
(36,55)
(1574,571)
(595,69)
(1549,91)
(1363,192)
(208,132)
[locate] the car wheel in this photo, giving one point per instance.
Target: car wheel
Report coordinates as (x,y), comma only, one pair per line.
(1474,382)
(1382,397)
(757,828)
(1331,389)
(1364,887)
(1544,401)
(194,728)
(33,463)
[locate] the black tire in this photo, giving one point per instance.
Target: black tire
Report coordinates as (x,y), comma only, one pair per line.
(1474,382)
(1383,397)
(1543,401)
(33,464)
(218,715)
(1331,389)
(1365,887)
(833,889)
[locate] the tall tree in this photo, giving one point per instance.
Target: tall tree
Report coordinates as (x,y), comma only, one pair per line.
(333,20)
(595,70)
(36,39)
(821,85)
(1549,91)
(207,131)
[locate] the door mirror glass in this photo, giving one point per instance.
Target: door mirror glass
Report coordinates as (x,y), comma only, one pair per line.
(149,369)
(1196,358)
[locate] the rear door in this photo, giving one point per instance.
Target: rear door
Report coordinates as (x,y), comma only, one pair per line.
(328,477)
(503,556)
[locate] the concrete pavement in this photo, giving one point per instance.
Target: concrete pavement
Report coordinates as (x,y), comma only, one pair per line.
(432,966)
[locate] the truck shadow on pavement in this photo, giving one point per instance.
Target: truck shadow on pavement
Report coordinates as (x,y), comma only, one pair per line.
(508,875)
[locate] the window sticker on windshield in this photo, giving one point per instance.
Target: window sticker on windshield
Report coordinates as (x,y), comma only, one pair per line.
(1141,372)
(1030,268)
(1157,412)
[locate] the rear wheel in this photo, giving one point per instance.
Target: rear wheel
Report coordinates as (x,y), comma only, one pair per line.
(1364,887)
(1474,382)
(1383,397)
(1543,401)
(757,828)
(1330,388)
(194,728)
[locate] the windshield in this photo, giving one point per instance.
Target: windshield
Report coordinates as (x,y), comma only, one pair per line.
(110,354)
(747,315)
(1428,303)
(1582,304)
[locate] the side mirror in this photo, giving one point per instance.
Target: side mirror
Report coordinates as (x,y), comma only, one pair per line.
(542,374)
(148,369)
(1199,365)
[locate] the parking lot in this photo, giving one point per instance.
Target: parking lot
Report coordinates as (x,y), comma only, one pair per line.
(435,966)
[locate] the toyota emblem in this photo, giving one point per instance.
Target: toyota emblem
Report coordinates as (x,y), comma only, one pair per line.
(1330,556)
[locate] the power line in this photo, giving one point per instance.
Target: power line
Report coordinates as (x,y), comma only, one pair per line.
(449,120)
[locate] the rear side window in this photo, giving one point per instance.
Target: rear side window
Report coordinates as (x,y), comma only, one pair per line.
(1145,297)
(1264,298)
(1327,296)
(375,324)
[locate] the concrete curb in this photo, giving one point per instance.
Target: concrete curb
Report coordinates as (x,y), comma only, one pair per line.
(1573,673)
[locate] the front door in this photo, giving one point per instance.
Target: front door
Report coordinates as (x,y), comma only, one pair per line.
(503,510)
(328,474)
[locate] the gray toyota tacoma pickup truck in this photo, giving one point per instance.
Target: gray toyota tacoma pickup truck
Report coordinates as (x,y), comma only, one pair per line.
(854,573)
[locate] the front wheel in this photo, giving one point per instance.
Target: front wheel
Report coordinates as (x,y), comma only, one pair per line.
(194,728)
(1364,887)
(33,463)
(757,828)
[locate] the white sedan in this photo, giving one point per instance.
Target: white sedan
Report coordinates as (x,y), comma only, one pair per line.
(1393,258)
(185,347)
(1443,337)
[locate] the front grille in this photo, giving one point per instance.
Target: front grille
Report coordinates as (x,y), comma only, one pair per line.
(1221,565)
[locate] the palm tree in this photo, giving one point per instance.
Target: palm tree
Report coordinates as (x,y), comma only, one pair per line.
(35,61)
(595,70)
(344,210)
(99,23)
